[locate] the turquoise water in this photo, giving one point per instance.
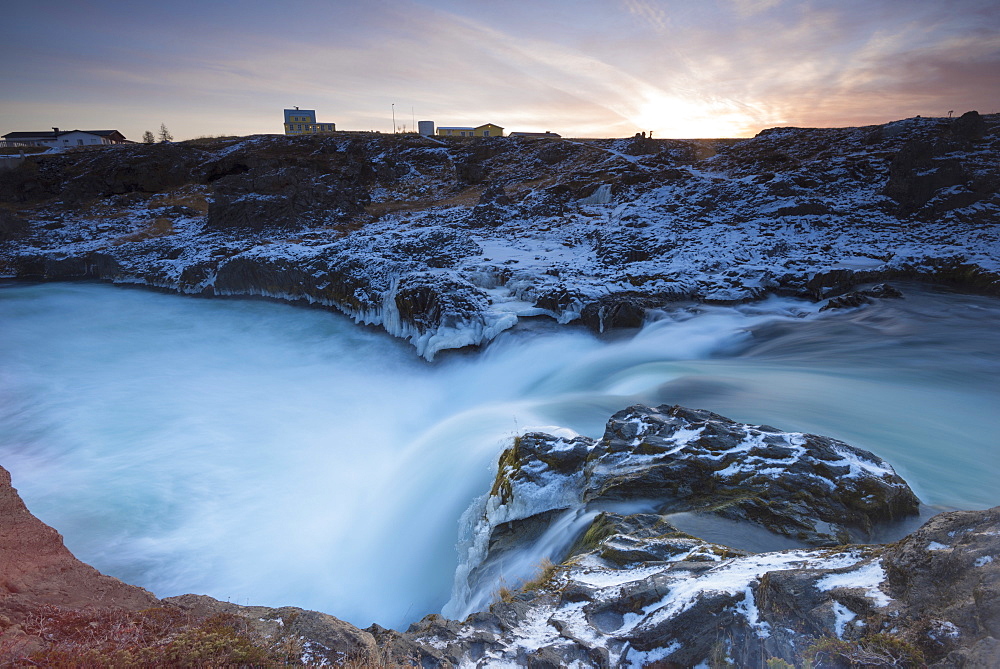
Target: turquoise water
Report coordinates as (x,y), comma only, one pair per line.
(267,454)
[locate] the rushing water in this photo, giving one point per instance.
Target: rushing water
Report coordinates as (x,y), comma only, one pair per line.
(267,454)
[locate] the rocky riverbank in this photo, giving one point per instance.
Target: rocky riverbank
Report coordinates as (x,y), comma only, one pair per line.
(626,586)
(449,243)
(679,538)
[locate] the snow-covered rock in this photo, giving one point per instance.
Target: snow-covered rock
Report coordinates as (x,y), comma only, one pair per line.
(595,231)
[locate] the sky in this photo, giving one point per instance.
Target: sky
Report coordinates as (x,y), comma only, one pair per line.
(581,68)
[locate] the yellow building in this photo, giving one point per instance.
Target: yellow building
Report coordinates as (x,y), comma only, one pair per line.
(303,122)
(487,130)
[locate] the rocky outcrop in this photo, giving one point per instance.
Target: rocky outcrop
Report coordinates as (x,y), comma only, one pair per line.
(630,589)
(325,640)
(36,568)
(44,587)
(11,226)
(858,298)
(929,599)
(596,231)
(672,460)
(74,178)
(919,170)
(945,577)
(257,192)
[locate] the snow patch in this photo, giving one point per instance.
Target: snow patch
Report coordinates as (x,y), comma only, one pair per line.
(841,616)
(868,578)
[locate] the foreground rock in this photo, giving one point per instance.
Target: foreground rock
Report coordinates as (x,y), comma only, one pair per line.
(627,587)
(322,639)
(931,599)
(668,462)
(449,243)
(36,569)
(57,609)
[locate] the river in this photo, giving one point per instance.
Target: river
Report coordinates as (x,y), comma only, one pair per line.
(269,454)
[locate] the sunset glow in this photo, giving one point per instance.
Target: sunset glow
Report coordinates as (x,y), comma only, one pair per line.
(594,68)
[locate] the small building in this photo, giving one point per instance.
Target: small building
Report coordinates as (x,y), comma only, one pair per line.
(486,130)
(536,135)
(303,122)
(65,138)
(425,128)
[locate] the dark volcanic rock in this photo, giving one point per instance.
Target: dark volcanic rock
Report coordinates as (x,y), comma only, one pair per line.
(815,489)
(11,226)
(670,460)
(289,197)
(968,127)
(947,577)
(918,171)
(620,310)
(437,247)
(859,298)
(622,247)
(103,172)
(634,590)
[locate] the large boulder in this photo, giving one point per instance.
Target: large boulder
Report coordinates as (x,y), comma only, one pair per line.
(814,489)
(674,461)
(630,589)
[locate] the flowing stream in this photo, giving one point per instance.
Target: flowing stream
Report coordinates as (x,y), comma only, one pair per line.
(276,455)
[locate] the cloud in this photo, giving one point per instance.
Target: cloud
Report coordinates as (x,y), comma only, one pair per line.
(589,67)
(648,11)
(752,7)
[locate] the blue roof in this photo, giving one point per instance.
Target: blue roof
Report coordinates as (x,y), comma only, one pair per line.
(300,112)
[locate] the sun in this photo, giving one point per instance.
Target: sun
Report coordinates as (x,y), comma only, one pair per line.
(668,116)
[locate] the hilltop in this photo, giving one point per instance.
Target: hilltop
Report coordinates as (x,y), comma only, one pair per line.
(449,242)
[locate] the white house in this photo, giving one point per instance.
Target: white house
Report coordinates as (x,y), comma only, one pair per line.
(65,138)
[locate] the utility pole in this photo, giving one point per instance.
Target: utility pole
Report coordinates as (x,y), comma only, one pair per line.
(394,118)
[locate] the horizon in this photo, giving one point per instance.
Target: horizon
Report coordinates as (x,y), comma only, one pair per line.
(593,69)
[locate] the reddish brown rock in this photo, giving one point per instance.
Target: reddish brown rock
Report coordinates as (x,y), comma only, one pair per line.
(36,569)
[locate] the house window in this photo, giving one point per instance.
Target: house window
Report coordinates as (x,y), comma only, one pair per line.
(486,133)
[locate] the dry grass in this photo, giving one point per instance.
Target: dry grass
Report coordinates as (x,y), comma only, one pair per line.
(194,197)
(18,150)
(149,638)
(546,572)
(466,198)
(160,227)
(209,139)
(505,594)
(543,579)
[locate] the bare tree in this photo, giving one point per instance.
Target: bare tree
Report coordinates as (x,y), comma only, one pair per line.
(165,135)
(147,137)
